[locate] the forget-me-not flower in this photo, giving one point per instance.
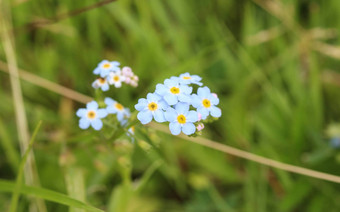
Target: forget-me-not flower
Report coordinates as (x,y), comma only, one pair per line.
(151,107)
(101,83)
(113,107)
(181,119)
(91,115)
(116,78)
(105,67)
(187,79)
(206,102)
(173,92)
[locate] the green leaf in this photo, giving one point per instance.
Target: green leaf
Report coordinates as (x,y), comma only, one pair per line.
(8,186)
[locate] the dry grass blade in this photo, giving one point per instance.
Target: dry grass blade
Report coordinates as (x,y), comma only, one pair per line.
(205,142)
(63,16)
(9,49)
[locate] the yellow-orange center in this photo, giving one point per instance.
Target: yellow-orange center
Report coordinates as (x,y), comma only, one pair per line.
(186,78)
(174,90)
(91,114)
(102,80)
(107,65)
(116,78)
(181,119)
(152,106)
(119,106)
(206,103)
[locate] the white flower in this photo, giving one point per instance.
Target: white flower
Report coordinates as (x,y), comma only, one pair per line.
(116,79)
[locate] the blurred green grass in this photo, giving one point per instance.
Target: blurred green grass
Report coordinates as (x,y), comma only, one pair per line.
(263,59)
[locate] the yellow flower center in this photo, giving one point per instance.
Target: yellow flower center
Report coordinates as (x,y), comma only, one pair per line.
(107,65)
(119,106)
(181,119)
(174,90)
(206,103)
(133,129)
(186,78)
(152,106)
(102,80)
(116,78)
(91,114)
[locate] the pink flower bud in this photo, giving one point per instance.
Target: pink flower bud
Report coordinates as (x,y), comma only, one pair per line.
(200,127)
(215,95)
(127,71)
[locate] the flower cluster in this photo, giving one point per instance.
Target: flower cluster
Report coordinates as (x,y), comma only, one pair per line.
(111,74)
(174,102)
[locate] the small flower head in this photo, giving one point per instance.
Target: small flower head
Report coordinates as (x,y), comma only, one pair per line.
(181,119)
(173,92)
(116,79)
(101,83)
(105,67)
(113,107)
(206,102)
(200,127)
(335,142)
(187,79)
(127,71)
(91,115)
(151,107)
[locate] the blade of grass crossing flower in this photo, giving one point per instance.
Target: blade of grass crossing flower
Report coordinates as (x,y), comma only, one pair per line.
(19,180)
(8,186)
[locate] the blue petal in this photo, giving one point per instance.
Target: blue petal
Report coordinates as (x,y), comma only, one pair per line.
(170,82)
(203,92)
(97,124)
(153,97)
(203,111)
(215,112)
(214,100)
(161,89)
(186,89)
(159,116)
(171,99)
(84,123)
(115,63)
(184,98)
(192,116)
(141,105)
(108,101)
(101,113)
(120,116)
(81,112)
(111,109)
(188,128)
(96,71)
(102,62)
(175,128)
(104,73)
(144,116)
(196,101)
(93,105)
(163,104)
(182,108)
(105,87)
(170,114)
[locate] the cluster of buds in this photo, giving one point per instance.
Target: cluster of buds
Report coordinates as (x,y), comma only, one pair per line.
(130,77)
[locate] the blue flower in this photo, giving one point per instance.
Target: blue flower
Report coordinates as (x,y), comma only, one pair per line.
(173,92)
(205,103)
(116,78)
(91,115)
(113,107)
(187,79)
(152,106)
(181,119)
(105,67)
(101,83)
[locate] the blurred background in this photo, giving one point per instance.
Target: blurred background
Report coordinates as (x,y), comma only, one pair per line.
(273,63)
